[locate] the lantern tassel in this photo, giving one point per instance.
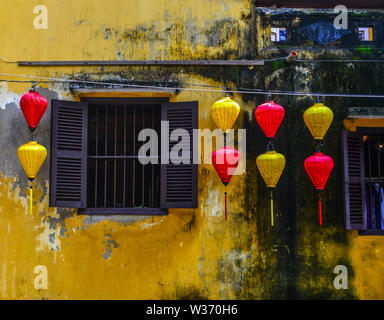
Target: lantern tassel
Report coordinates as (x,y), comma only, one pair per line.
(225,197)
(320,209)
(30,199)
(272,208)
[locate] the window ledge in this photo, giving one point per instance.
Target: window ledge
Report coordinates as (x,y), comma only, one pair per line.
(80,93)
(371,232)
(124,211)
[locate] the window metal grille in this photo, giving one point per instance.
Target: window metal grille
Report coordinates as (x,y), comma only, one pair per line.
(116,178)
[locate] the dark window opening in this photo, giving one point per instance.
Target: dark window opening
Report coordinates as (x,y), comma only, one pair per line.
(374,180)
(116,178)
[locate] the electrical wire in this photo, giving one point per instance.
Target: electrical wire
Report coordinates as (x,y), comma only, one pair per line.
(284,58)
(228,90)
(7,61)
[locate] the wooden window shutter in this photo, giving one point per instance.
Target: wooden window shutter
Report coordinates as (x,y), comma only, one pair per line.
(68,182)
(179,183)
(354,181)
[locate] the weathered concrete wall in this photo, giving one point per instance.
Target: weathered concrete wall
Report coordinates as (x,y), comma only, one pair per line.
(189,253)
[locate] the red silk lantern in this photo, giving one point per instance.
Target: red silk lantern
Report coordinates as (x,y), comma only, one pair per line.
(225,160)
(319,168)
(269,116)
(33,106)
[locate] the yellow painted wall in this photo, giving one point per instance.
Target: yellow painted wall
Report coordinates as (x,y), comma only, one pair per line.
(187,254)
(153,258)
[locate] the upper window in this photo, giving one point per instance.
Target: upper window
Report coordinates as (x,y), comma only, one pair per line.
(94,157)
(365,33)
(278,34)
(355,4)
(316,30)
(364,180)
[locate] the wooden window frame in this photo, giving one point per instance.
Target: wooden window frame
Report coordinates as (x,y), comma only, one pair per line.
(377,31)
(171,171)
(69,121)
(368,131)
(177,193)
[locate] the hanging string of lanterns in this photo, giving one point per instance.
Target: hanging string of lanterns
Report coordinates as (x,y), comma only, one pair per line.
(32,155)
(225,160)
(318,119)
(271,164)
(224,112)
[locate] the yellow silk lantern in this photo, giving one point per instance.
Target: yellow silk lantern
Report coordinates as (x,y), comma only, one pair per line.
(225,112)
(318,118)
(31,156)
(271,165)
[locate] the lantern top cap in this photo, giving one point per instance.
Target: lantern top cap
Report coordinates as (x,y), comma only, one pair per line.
(319,104)
(225,99)
(320,154)
(270,104)
(271,152)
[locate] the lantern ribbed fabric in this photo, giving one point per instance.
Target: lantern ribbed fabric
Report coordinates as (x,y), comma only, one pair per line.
(318,168)
(271,165)
(33,106)
(318,119)
(269,116)
(225,112)
(32,157)
(225,160)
